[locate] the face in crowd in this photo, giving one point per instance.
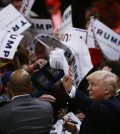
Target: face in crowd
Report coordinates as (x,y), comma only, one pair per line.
(40,51)
(17,4)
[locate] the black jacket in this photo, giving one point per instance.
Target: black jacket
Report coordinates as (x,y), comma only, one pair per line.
(101,118)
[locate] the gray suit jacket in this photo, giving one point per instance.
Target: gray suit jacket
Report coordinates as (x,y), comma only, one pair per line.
(26,115)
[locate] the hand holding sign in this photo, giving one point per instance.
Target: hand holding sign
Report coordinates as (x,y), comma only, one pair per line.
(68,81)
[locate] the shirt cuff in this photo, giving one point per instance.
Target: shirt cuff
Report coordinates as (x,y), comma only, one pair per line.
(72,92)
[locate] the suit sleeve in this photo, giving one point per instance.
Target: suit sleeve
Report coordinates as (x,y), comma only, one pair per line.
(89,107)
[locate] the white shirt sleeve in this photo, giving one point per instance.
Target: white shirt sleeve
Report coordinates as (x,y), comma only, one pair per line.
(72,92)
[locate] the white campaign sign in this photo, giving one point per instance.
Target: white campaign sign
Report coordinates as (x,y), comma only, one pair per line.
(66,19)
(50,41)
(26,7)
(41,26)
(108,40)
(80,33)
(81,61)
(75,50)
(9,43)
(11,20)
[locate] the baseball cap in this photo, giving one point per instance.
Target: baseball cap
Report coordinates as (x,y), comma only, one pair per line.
(51,2)
(5,78)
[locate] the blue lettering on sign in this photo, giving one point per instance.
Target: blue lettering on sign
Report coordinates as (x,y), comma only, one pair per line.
(9,45)
(41,26)
(23,23)
(74,66)
(48,26)
(25,7)
(107,36)
(17,27)
(66,16)
(6,53)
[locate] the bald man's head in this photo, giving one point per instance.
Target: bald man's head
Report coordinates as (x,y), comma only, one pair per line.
(20,82)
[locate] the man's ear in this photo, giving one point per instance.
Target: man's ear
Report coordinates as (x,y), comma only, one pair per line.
(30,87)
(106,68)
(118,83)
(108,91)
(8,86)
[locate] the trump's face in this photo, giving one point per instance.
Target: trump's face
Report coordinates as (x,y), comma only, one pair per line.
(96,89)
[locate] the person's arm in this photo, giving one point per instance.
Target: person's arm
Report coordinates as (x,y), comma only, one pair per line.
(67,83)
(38,64)
(88,106)
(47,97)
(80,116)
(92,108)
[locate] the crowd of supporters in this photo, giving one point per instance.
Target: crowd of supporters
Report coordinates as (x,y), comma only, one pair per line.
(25,108)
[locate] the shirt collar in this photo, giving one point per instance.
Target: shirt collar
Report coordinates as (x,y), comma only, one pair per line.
(19,96)
(118,90)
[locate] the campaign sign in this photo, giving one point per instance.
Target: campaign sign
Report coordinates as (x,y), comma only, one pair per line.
(49,41)
(46,77)
(8,44)
(26,7)
(11,20)
(66,19)
(75,49)
(65,35)
(81,61)
(41,26)
(107,40)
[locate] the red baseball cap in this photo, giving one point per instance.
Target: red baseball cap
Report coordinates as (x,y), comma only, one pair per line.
(51,2)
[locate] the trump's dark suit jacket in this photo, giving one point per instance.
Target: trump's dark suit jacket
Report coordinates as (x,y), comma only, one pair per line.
(26,115)
(101,117)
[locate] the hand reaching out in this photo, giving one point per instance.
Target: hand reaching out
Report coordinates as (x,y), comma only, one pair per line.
(80,116)
(46,97)
(62,112)
(40,63)
(68,80)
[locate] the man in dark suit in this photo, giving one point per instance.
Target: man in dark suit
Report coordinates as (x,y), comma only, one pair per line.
(24,114)
(101,108)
